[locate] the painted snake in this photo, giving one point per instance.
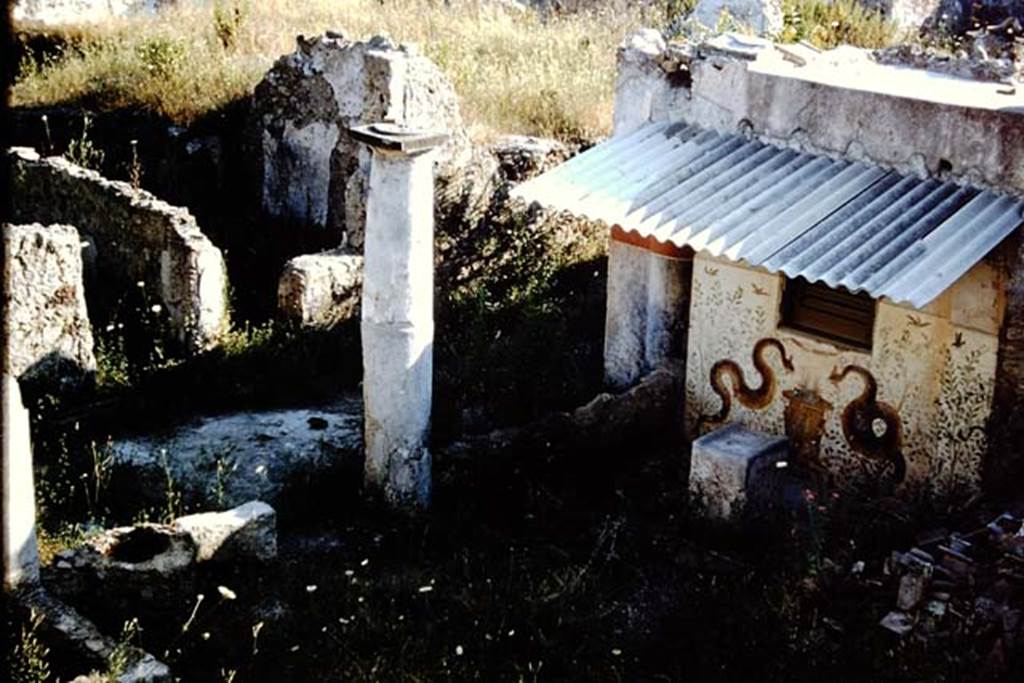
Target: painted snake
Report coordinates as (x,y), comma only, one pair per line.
(859,417)
(754,399)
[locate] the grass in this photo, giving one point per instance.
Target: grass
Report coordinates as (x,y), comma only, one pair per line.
(513,72)
(565,566)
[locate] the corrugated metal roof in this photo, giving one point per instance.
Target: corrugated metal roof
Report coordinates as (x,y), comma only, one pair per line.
(831,220)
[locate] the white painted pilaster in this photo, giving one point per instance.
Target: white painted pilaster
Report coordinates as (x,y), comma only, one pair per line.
(18,535)
(668,308)
(625,328)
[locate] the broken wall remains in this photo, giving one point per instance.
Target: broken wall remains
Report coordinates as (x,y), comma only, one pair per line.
(312,174)
(138,239)
(50,344)
(836,103)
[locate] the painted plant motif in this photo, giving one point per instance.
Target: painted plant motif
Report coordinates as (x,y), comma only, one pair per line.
(750,397)
(872,429)
(964,404)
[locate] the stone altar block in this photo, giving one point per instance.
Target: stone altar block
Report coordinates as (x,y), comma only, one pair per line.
(733,468)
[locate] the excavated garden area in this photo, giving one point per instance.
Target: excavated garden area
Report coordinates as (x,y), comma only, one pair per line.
(561,542)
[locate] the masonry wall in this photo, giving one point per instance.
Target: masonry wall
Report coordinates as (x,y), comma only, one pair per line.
(137,238)
(935,371)
(745,86)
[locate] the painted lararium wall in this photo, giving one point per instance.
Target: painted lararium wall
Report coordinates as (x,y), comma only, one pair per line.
(936,367)
(910,411)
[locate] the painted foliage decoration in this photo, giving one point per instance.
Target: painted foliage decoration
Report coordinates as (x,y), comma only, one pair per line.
(963,403)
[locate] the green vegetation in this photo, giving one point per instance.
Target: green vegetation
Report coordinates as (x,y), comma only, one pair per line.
(29,662)
(514,72)
(842,22)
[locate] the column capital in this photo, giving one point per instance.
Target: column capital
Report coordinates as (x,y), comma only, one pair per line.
(397,138)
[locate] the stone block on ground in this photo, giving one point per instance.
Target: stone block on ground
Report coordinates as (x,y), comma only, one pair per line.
(321,290)
(733,470)
(914,15)
(143,570)
(247,532)
(78,638)
(51,343)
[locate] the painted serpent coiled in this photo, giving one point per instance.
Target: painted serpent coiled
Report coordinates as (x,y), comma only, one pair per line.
(858,420)
(753,398)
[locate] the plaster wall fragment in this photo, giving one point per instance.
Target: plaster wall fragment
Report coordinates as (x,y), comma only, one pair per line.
(51,344)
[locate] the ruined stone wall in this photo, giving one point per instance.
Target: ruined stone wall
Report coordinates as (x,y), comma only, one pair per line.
(50,345)
(1005,466)
(137,237)
(935,368)
(313,175)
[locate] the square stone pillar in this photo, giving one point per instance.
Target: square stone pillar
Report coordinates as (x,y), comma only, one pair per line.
(398,312)
(18,534)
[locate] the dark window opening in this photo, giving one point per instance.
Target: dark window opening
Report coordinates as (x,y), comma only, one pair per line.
(834,313)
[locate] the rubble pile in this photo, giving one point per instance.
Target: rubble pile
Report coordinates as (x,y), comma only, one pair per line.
(987,51)
(963,585)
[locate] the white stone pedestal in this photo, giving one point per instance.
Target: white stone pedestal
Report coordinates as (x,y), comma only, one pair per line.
(733,469)
(398,312)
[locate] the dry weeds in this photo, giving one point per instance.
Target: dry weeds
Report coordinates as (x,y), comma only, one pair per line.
(512,71)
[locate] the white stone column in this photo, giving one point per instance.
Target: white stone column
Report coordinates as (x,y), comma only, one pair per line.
(18,535)
(398,312)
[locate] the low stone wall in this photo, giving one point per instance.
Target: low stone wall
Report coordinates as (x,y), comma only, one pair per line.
(50,344)
(57,12)
(650,410)
(138,239)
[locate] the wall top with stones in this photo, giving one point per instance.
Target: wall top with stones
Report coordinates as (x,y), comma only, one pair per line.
(839,103)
